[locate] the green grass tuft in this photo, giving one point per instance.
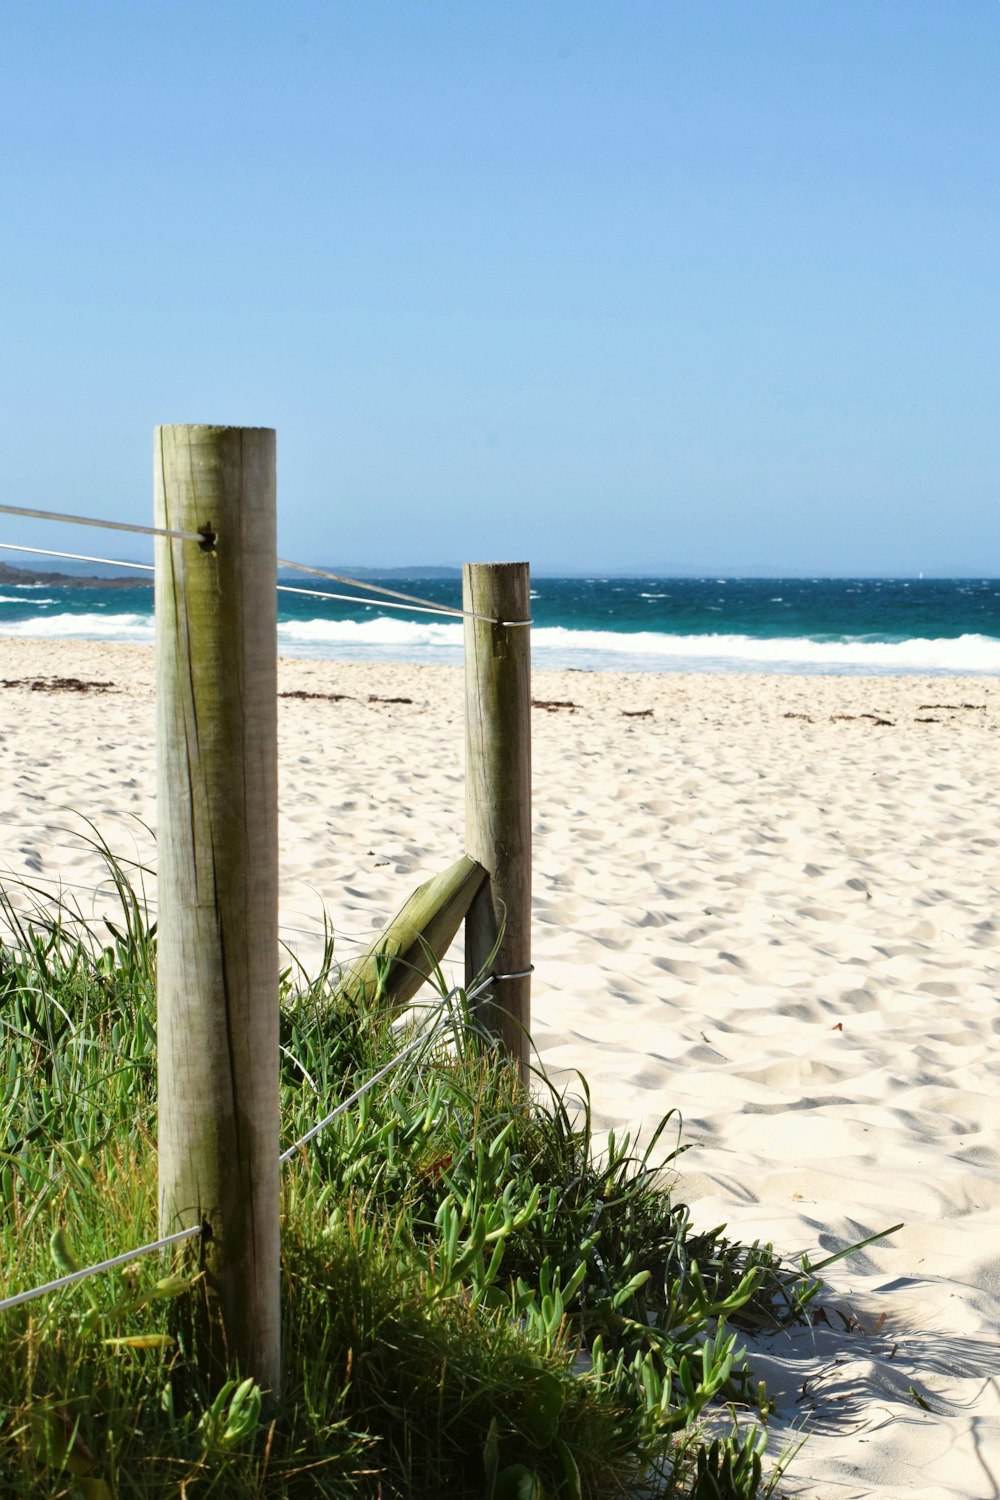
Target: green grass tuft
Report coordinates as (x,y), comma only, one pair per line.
(479,1299)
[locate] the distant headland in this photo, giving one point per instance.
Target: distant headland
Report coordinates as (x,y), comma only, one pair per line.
(27,577)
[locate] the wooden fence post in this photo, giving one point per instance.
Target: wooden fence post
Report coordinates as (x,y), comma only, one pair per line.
(217,1012)
(498,794)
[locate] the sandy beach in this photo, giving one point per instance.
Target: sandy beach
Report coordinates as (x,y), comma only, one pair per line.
(771,903)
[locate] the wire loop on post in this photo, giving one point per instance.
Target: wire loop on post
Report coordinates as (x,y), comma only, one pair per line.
(491,979)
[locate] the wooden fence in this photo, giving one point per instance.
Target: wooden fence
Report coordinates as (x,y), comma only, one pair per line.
(217,816)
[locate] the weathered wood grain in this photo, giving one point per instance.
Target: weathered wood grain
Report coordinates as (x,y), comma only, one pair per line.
(218,877)
(498,795)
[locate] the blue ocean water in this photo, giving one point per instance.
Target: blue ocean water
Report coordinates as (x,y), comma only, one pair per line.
(845,625)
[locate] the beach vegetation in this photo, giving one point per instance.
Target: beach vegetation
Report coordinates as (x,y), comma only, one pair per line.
(482,1298)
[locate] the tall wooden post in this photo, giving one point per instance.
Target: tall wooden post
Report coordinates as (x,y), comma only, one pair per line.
(498,795)
(217,1015)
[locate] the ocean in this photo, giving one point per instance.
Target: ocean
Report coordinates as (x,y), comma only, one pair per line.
(843,625)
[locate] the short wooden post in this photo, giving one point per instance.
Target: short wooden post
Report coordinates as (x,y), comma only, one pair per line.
(498,795)
(404,955)
(217,1013)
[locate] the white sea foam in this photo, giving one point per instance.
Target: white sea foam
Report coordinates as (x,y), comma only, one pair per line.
(556,646)
(382,631)
(91,627)
(379,639)
(648,650)
(394,639)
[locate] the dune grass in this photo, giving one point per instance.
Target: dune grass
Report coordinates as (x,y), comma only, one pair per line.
(480,1300)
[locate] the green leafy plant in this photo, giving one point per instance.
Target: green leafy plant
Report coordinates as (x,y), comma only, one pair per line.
(479,1296)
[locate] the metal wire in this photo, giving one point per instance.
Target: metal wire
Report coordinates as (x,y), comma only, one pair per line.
(429,606)
(103,1265)
(52,515)
(112,562)
(419,1041)
(411,601)
(370,1083)
(426,606)
(492,979)
(377,588)
(427,609)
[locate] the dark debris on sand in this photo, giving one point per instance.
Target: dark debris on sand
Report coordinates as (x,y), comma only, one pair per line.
(57,685)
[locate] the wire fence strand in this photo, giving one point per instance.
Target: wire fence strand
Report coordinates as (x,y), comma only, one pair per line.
(53,515)
(413,599)
(103,1265)
(207,537)
(376,588)
(111,562)
(427,609)
(345,1104)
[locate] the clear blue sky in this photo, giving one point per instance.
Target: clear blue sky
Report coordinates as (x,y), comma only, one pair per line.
(649,284)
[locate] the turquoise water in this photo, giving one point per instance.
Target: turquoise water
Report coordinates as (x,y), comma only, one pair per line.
(653,624)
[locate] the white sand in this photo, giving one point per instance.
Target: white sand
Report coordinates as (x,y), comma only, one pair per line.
(782,922)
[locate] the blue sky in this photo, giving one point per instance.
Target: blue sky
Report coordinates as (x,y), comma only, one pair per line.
(641,285)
